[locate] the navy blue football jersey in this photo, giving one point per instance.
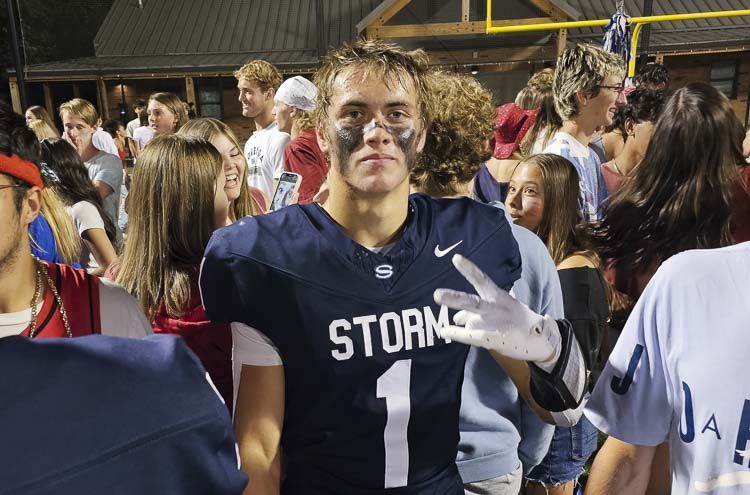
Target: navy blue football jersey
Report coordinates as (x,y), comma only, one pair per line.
(372,390)
(113,416)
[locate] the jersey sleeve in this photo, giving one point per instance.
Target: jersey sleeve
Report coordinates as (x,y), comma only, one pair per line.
(631,400)
(253,348)
(220,295)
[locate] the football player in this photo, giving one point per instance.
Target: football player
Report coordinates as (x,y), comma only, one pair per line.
(343,360)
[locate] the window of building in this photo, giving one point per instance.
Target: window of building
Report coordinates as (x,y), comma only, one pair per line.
(723,76)
(209,99)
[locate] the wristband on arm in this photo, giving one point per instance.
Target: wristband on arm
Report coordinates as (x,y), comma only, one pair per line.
(563,387)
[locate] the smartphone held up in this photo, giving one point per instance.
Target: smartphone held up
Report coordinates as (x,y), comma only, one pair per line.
(286,189)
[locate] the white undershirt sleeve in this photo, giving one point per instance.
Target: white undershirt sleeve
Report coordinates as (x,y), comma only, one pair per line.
(253,348)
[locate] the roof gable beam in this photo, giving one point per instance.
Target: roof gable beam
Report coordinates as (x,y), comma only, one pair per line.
(446,28)
(559,10)
(382,14)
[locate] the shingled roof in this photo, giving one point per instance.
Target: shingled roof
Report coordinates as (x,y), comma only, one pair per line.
(217,36)
(141,36)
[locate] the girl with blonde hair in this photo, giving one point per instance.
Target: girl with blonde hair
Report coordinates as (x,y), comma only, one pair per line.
(178,186)
(543,197)
(66,240)
(37,113)
(243,201)
(42,130)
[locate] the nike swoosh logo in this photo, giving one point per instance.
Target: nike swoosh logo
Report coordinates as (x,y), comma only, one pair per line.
(442,252)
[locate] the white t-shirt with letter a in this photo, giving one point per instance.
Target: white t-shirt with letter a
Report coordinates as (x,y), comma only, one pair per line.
(679,371)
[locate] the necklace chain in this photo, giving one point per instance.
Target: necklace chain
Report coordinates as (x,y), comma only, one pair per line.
(41,274)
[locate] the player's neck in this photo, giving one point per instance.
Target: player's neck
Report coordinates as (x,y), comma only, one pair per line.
(370,221)
(17,282)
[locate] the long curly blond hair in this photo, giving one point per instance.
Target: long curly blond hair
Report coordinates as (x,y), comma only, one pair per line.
(457,143)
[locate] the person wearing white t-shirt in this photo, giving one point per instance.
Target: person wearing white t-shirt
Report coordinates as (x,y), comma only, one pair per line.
(105,170)
(104,142)
(143,135)
(677,374)
(140,110)
(257,82)
(588,89)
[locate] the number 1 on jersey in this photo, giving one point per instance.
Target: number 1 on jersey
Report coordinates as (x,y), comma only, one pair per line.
(393,386)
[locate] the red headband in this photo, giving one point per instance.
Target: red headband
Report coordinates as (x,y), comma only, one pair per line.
(19,168)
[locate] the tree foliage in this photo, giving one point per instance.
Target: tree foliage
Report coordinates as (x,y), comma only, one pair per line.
(54,29)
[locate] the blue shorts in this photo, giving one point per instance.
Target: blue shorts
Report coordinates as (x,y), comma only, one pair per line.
(568,453)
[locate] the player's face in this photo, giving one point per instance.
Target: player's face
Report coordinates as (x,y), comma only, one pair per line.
(234,166)
(221,203)
(253,99)
(77,131)
(30,117)
(282,113)
(525,200)
(160,118)
(373,133)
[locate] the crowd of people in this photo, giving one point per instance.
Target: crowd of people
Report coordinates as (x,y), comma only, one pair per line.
(466,297)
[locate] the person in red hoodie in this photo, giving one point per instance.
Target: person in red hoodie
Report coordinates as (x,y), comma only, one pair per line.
(293,103)
(178,188)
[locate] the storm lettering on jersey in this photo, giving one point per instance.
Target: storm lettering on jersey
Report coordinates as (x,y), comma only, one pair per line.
(392,332)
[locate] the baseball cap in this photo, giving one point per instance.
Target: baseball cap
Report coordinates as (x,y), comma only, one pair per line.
(297,92)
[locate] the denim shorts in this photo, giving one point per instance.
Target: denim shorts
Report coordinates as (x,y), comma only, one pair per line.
(568,453)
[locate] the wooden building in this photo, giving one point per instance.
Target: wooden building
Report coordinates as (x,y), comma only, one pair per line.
(192,47)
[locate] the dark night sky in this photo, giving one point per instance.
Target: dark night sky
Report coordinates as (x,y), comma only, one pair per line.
(52,30)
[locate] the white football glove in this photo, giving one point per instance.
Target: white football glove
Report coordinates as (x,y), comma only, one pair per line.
(497,321)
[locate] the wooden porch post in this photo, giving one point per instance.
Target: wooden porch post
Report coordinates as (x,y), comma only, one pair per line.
(562,41)
(101,93)
(190,90)
(49,103)
(15,96)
